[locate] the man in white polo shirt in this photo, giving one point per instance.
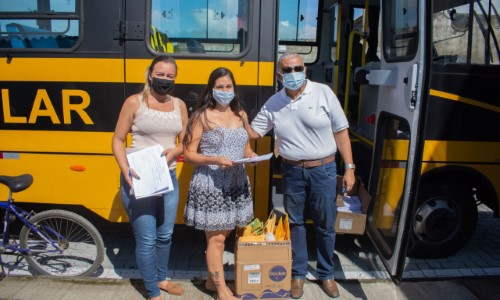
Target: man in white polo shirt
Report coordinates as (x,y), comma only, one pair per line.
(310,126)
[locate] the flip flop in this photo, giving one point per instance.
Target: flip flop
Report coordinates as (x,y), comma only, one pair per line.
(172,288)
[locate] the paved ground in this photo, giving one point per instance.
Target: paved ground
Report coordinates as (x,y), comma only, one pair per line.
(354,255)
(359,270)
(41,288)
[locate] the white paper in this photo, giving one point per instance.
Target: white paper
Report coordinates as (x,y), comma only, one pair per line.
(251,267)
(253,159)
(152,170)
(352,204)
(254,277)
(345,224)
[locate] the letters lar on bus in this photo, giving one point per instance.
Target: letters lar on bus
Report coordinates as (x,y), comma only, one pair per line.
(43,107)
(152,169)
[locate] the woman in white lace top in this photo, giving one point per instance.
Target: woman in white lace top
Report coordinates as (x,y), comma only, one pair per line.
(152,117)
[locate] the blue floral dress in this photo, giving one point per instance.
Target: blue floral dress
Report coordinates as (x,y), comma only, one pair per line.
(220,199)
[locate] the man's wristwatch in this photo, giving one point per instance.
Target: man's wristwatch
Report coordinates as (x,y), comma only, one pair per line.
(350,166)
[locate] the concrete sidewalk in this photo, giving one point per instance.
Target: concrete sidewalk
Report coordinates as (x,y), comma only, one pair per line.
(41,288)
(358,270)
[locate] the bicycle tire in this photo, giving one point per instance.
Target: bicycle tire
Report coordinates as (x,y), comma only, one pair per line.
(82,245)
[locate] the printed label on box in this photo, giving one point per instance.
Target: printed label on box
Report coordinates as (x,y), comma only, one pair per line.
(277,273)
(251,267)
(254,277)
(345,224)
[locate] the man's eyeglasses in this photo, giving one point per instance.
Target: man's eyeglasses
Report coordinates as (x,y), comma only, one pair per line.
(286,70)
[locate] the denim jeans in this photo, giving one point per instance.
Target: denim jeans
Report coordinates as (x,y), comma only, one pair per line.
(152,221)
(313,189)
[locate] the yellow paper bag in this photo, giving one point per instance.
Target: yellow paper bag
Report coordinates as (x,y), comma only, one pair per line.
(270,223)
(247,231)
(280,232)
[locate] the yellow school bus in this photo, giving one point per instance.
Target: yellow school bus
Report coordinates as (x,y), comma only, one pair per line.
(417,79)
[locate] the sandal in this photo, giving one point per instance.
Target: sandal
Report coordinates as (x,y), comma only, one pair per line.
(171,288)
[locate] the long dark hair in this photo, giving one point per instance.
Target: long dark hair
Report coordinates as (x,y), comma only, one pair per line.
(207,101)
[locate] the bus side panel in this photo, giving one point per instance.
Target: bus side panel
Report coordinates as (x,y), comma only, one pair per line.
(70,179)
(462,131)
(57,125)
(456,110)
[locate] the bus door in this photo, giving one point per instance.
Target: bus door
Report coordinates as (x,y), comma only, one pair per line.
(352,47)
(132,31)
(299,29)
(202,36)
(397,146)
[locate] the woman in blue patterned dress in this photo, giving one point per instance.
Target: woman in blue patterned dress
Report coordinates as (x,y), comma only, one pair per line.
(219,198)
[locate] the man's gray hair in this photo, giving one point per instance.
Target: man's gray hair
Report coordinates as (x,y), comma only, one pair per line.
(289,54)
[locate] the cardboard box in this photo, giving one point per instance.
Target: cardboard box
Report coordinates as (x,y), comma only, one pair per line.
(352,223)
(263,269)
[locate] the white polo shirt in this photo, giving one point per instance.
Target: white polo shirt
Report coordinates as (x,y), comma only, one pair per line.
(304,128)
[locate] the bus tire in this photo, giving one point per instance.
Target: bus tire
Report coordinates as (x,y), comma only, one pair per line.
(444,220)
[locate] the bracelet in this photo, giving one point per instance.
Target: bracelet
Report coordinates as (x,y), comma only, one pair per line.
(350,166)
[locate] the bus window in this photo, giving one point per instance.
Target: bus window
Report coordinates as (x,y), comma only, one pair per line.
(460,38)
(298,23)
(401,30)
(201,27)
(48,24)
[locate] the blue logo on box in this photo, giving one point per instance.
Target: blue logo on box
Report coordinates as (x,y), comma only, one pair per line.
(277,273)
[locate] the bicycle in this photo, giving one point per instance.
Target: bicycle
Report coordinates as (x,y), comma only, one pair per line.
(54,242)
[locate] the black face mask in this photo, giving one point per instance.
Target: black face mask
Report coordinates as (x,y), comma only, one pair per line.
(161,86)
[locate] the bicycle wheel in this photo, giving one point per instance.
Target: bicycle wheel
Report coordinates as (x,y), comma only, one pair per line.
(78,250)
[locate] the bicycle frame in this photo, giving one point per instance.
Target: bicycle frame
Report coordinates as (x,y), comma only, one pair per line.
(23,216)
(53,242)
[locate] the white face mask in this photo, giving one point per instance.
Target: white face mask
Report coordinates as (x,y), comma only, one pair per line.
(223,98)
(293,81)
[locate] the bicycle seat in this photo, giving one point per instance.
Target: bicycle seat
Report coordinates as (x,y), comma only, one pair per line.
(17,183)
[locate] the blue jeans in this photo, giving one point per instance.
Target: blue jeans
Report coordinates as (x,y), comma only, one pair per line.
(152,221)
(313,189)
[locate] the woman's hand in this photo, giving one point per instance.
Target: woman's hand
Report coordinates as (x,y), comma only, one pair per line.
(251,164)
(224,162)
(128,174)
(170,155)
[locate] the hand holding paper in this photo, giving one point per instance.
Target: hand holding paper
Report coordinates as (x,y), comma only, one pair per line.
(253,159)
(153,171)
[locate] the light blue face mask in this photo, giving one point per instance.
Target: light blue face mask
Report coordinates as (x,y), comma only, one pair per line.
(293,81)
(223,98)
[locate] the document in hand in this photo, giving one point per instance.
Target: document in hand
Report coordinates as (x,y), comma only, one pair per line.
(253,159)
(153,171)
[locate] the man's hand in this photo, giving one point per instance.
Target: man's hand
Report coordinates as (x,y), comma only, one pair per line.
(348,179)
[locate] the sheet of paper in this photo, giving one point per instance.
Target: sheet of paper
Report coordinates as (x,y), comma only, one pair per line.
(253,159)
(153,171)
